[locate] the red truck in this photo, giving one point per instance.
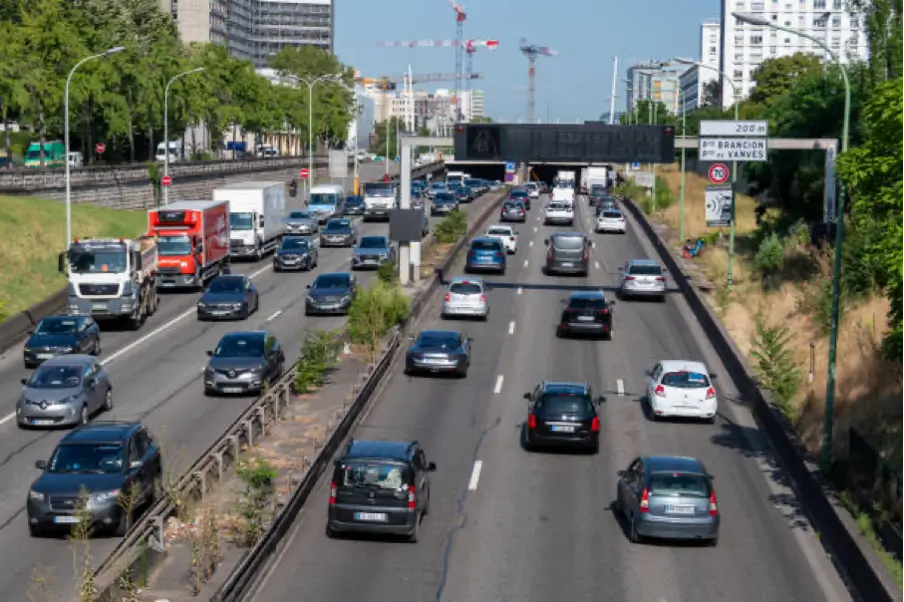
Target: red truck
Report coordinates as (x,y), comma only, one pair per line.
(192,242)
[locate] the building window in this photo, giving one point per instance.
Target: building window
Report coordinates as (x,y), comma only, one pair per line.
(819,3)
(836,21)
(739,56)
(855,23)
(773,50)
(756,40)
(738,74)
(758,6)
(775,17)
(820,22)
(787,41)
(836,4)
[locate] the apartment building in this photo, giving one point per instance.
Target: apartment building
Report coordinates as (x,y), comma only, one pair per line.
(745,46)
(436,105)
(693,81)
(655,81)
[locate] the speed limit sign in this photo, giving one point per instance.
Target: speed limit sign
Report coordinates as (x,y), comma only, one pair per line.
(718,173)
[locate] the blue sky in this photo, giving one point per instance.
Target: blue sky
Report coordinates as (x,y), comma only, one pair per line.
(587,34)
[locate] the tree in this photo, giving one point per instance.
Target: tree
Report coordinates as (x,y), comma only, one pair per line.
(481,119)
(386,130)
(712,94)
(775,77)
(882,20)
(648,112)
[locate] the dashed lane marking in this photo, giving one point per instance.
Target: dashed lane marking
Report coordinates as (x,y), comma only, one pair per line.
(530,244)
(520,290)
(525,263)
(512,327)
(620,387)
(275,315)
(475,475)
(596,264)
(498,388)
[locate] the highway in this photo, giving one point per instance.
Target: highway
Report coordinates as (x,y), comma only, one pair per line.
(536,527)
(156,374)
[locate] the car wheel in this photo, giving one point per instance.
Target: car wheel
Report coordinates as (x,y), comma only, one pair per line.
(713,542)
(96,351)
(560,333)
(35,531)
(108,401)
(662,299)
(330,532)
(414,536)
(277,269)
(83,416)
(633,535)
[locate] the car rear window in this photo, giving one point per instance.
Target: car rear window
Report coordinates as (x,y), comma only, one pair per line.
(513,205)
(485,245)
(680,485)
(646,270)
(612,214)
(685,380)
(499,232)
(374,473)
(518,193)
(564,405)
(568,243)
(585,303)
(558,206)
(465,288)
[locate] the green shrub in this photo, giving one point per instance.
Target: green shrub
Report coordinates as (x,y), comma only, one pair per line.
(388,272)
(452,227)
(319,353)
(774,365)
(770,257)
(376,308)
(816,302)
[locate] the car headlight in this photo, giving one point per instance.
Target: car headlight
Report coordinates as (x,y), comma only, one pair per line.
(67,349)
(256,370)
(237,305)
(102,498)
(35,495)
(202,305)
(311,299)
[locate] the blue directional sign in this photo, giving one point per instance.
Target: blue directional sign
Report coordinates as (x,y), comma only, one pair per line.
(398,158)
(510,166)
(635,165)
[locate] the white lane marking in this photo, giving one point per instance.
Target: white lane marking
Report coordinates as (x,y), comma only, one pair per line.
(475,475)
(538,218)
(620,387)
(275,315)
(520,290)
(525,263)
(535,228)
(596,264)
(512,327)
(531,243)
(498,388)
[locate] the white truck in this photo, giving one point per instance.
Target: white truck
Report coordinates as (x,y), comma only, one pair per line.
(596,175)
(112,278)
(257,217)
(380,198)
(565,177)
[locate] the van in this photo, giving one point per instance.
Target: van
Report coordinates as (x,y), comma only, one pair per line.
(175,151)
(54,154)
(324,201)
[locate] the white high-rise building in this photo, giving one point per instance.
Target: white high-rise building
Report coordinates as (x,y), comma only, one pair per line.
(745,46)
(694,80)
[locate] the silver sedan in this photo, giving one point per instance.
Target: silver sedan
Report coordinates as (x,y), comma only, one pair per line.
(642,278)
(466,298)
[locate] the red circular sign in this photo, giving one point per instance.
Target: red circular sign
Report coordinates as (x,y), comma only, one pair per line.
(303,172)
(100,147)
(166,181)
(718,173)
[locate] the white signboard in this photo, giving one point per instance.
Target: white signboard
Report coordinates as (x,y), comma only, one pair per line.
(718,206)
(642,178)
(830,198)
(734,128)
(338,164)
(732,149)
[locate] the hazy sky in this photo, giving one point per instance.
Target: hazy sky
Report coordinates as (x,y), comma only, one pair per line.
(587,34)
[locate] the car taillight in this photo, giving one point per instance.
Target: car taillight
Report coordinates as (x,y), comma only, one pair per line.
(512,238)
(629,278)
(586,254)
(660,279)
(412,498)
(483,298)
(332,494)
(710,393)
(531,422)
(602,312)
(497,255)
(659,391)
(644,501)
(448,297)
(595,425)
(713,504)
(549,255)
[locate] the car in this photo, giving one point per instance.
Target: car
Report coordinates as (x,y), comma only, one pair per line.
(496,185)
(435,187)
(443,202)
(642,278)
(605,203)
(466,297)
(61,335)
(64,391)
(90,473)
(228,297)
(338,232)
(439,352)
(372,251)
(513,211)
(245,362)
(477,185)
(380,487)
(586,312)
(295,253)
(301,222)
(558,212)
(568,253)
(462,193)
(353,205)
(507,235)
(486,254)
(681,389)
(562,414)
(519,194)
(668,497)
(611,220)
(331,293)
(533,190)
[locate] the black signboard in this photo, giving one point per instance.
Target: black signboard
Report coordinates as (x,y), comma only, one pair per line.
(549,143)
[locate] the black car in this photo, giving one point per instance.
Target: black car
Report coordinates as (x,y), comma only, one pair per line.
(443,202)
(354,205)
(605,203)
(331,293)
(229,297)
(295,253)
(90,473)
(61,335)
(338,232)
(587,312)
(513,211)
(563,414)
(439,352)
(380,487)
(244,362)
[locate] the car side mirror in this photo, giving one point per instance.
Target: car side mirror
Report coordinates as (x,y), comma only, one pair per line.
(431,466)
(209,353)
(713,376)
(91,383)
(646,373)
(24,381)
(307,286)
(61,262)
(527,396)
(621,473)
(601,399)
(620,269)
(135,464)
(712,477)
(546,241)
(41,464)
(29,332)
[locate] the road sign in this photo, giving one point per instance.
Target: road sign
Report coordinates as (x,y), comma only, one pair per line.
(509,177)
(303,172)
(99,148)
(732,149)
(510,166)
(398,158)
(830,196)
(166,181)
(718,206)
(718,173)
(635,165)
(734,128)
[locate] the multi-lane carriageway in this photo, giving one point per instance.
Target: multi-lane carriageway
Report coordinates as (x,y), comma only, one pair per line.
(510,526)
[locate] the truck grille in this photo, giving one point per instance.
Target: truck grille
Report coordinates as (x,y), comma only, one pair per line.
(168,270)
(98,290)
(236,243)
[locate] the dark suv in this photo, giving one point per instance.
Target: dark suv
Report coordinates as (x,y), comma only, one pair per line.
(568,253)
(102,469)
(587,312)
(380,487)
(563,414)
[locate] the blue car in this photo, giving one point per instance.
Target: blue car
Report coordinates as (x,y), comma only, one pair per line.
(486,255)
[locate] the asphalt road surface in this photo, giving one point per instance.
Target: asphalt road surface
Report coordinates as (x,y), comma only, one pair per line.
(510,526)
(156,374)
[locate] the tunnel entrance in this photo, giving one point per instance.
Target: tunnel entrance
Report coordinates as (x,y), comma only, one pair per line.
(492,171)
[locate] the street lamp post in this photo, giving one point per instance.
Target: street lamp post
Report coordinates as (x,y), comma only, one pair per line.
(166,152)
(66,136)
(683,168)
(829,418)
(310,84)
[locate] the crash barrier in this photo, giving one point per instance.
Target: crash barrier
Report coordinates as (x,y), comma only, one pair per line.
(820,504)
(14,328)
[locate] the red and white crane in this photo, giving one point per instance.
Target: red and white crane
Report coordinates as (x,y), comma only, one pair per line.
(460,17)
(532,51)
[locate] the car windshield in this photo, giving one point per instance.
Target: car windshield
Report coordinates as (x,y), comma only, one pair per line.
(499,232)
(379,189)
(100,458)
(485,245)
(57,326)
(518,193)
(465,288)
(438,341)
(679,485)
(568,243)
(685,380)
(110,260)
(241,221)
(612,214)
(322,199)
(294,244)
(385,475)
(354,200)
(372,242)
(240,347)
(444,196)
(564,405)
(587,303)
(299,215)
(646,270)
(226,285)
(56,377)
(173,246)
(336,281)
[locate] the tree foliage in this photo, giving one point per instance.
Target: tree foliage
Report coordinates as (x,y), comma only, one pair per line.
(386,131)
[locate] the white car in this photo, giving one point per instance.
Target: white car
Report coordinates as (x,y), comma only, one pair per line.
(558,212)
(533,190)
(466,298)
(611,220)
(681,389)
(506,235)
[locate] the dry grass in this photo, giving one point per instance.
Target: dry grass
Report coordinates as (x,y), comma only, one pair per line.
(32,234)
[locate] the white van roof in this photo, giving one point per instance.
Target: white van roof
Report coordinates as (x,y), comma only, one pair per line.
(327,188)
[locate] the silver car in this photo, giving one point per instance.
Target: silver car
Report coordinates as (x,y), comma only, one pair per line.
(64,391)
(466,297)
(301,222)
(642,278)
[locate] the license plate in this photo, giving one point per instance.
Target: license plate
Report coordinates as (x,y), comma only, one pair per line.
(585,318)
(99,306)
(371,516)
(37,422)
(232,389)
(434,361)
(66,520)
(558,428)
(679,509)
(44,356)
(568,265)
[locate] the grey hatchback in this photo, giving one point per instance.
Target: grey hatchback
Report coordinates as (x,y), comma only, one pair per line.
(244,362)
(64,391)
(642,278)
(568,253)
(668,497)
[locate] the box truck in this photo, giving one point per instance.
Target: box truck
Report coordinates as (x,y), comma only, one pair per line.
(257,217)
(192,242)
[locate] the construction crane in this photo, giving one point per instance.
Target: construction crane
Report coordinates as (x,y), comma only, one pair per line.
(460,17)
(532,51)
(388,83)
